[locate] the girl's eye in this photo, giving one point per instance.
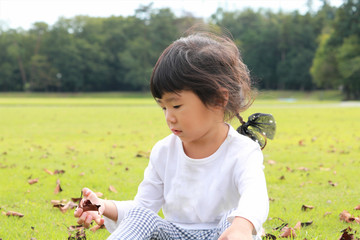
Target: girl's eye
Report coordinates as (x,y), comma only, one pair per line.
(177,106)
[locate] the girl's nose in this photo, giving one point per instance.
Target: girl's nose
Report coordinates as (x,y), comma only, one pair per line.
(169,116)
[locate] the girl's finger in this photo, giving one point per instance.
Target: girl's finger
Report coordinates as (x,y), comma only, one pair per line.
(99,221)
(78,212)
(88,221)
(82,218)
(86,192)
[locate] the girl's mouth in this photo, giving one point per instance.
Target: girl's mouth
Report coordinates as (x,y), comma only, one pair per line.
(176,132)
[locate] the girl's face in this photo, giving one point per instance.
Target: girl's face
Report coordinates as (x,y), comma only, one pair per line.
(189,119)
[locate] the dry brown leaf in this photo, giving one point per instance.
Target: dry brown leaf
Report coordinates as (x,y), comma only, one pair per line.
(327,213)
(75,228)
(271,162)
(58,187)
(297,226)
(48,171)
(32,181)
(97,227)
(112,189)
(15,214)
(287,232)
(99,194)
(59,171)
(143,154)
(347,234)
(88,206)
(269,236)
(76,199)
(305,224)
(306,207)
(332,183)
(68,205)
(346,216)
(305,169)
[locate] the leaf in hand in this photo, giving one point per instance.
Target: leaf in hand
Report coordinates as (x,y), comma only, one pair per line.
(88,206)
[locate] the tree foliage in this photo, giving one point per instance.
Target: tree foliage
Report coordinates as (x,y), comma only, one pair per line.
(282,50)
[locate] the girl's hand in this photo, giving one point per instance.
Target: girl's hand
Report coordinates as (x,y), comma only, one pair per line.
(240,229)
(85,218)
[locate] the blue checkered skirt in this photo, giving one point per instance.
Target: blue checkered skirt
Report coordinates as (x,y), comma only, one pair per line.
(143,224)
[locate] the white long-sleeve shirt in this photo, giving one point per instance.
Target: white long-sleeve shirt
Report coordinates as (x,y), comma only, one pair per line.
(196,193)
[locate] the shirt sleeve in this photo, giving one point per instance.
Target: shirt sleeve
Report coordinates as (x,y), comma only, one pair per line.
(149,195)
(250,180)
(122,208)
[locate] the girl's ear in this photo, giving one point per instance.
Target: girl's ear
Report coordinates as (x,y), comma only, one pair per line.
(225,97)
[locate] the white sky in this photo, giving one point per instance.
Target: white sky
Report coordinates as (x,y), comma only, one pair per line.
(23,13)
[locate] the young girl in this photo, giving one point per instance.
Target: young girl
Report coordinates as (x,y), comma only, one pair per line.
(206,177)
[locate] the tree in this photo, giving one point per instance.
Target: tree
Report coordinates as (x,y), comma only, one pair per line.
(348,57)
(337,59)
(324,69)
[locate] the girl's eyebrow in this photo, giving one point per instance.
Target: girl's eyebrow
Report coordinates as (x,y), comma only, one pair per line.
(167,100)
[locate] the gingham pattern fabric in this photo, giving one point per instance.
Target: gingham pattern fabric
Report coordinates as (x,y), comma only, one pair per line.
(143,224)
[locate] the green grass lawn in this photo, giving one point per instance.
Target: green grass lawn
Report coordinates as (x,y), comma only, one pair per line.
(95,139)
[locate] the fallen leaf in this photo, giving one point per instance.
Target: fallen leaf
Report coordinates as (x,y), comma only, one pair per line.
(281,226)
(282,177)
(269,236)
(59,171)
(58,187)
(303,169)
(57,202)
(76,199)
(327,213)
(271,162)
(143,154)
(99,194)
(76,232)
(97,227)
(288,232)
(112,189)
(346,216)
(297,226)
(306,207)
(301,143)
(75,228)
(32,181)
(68,205)
(15,214)
(347,234)
(305,224)
(48,171)
(332,183)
